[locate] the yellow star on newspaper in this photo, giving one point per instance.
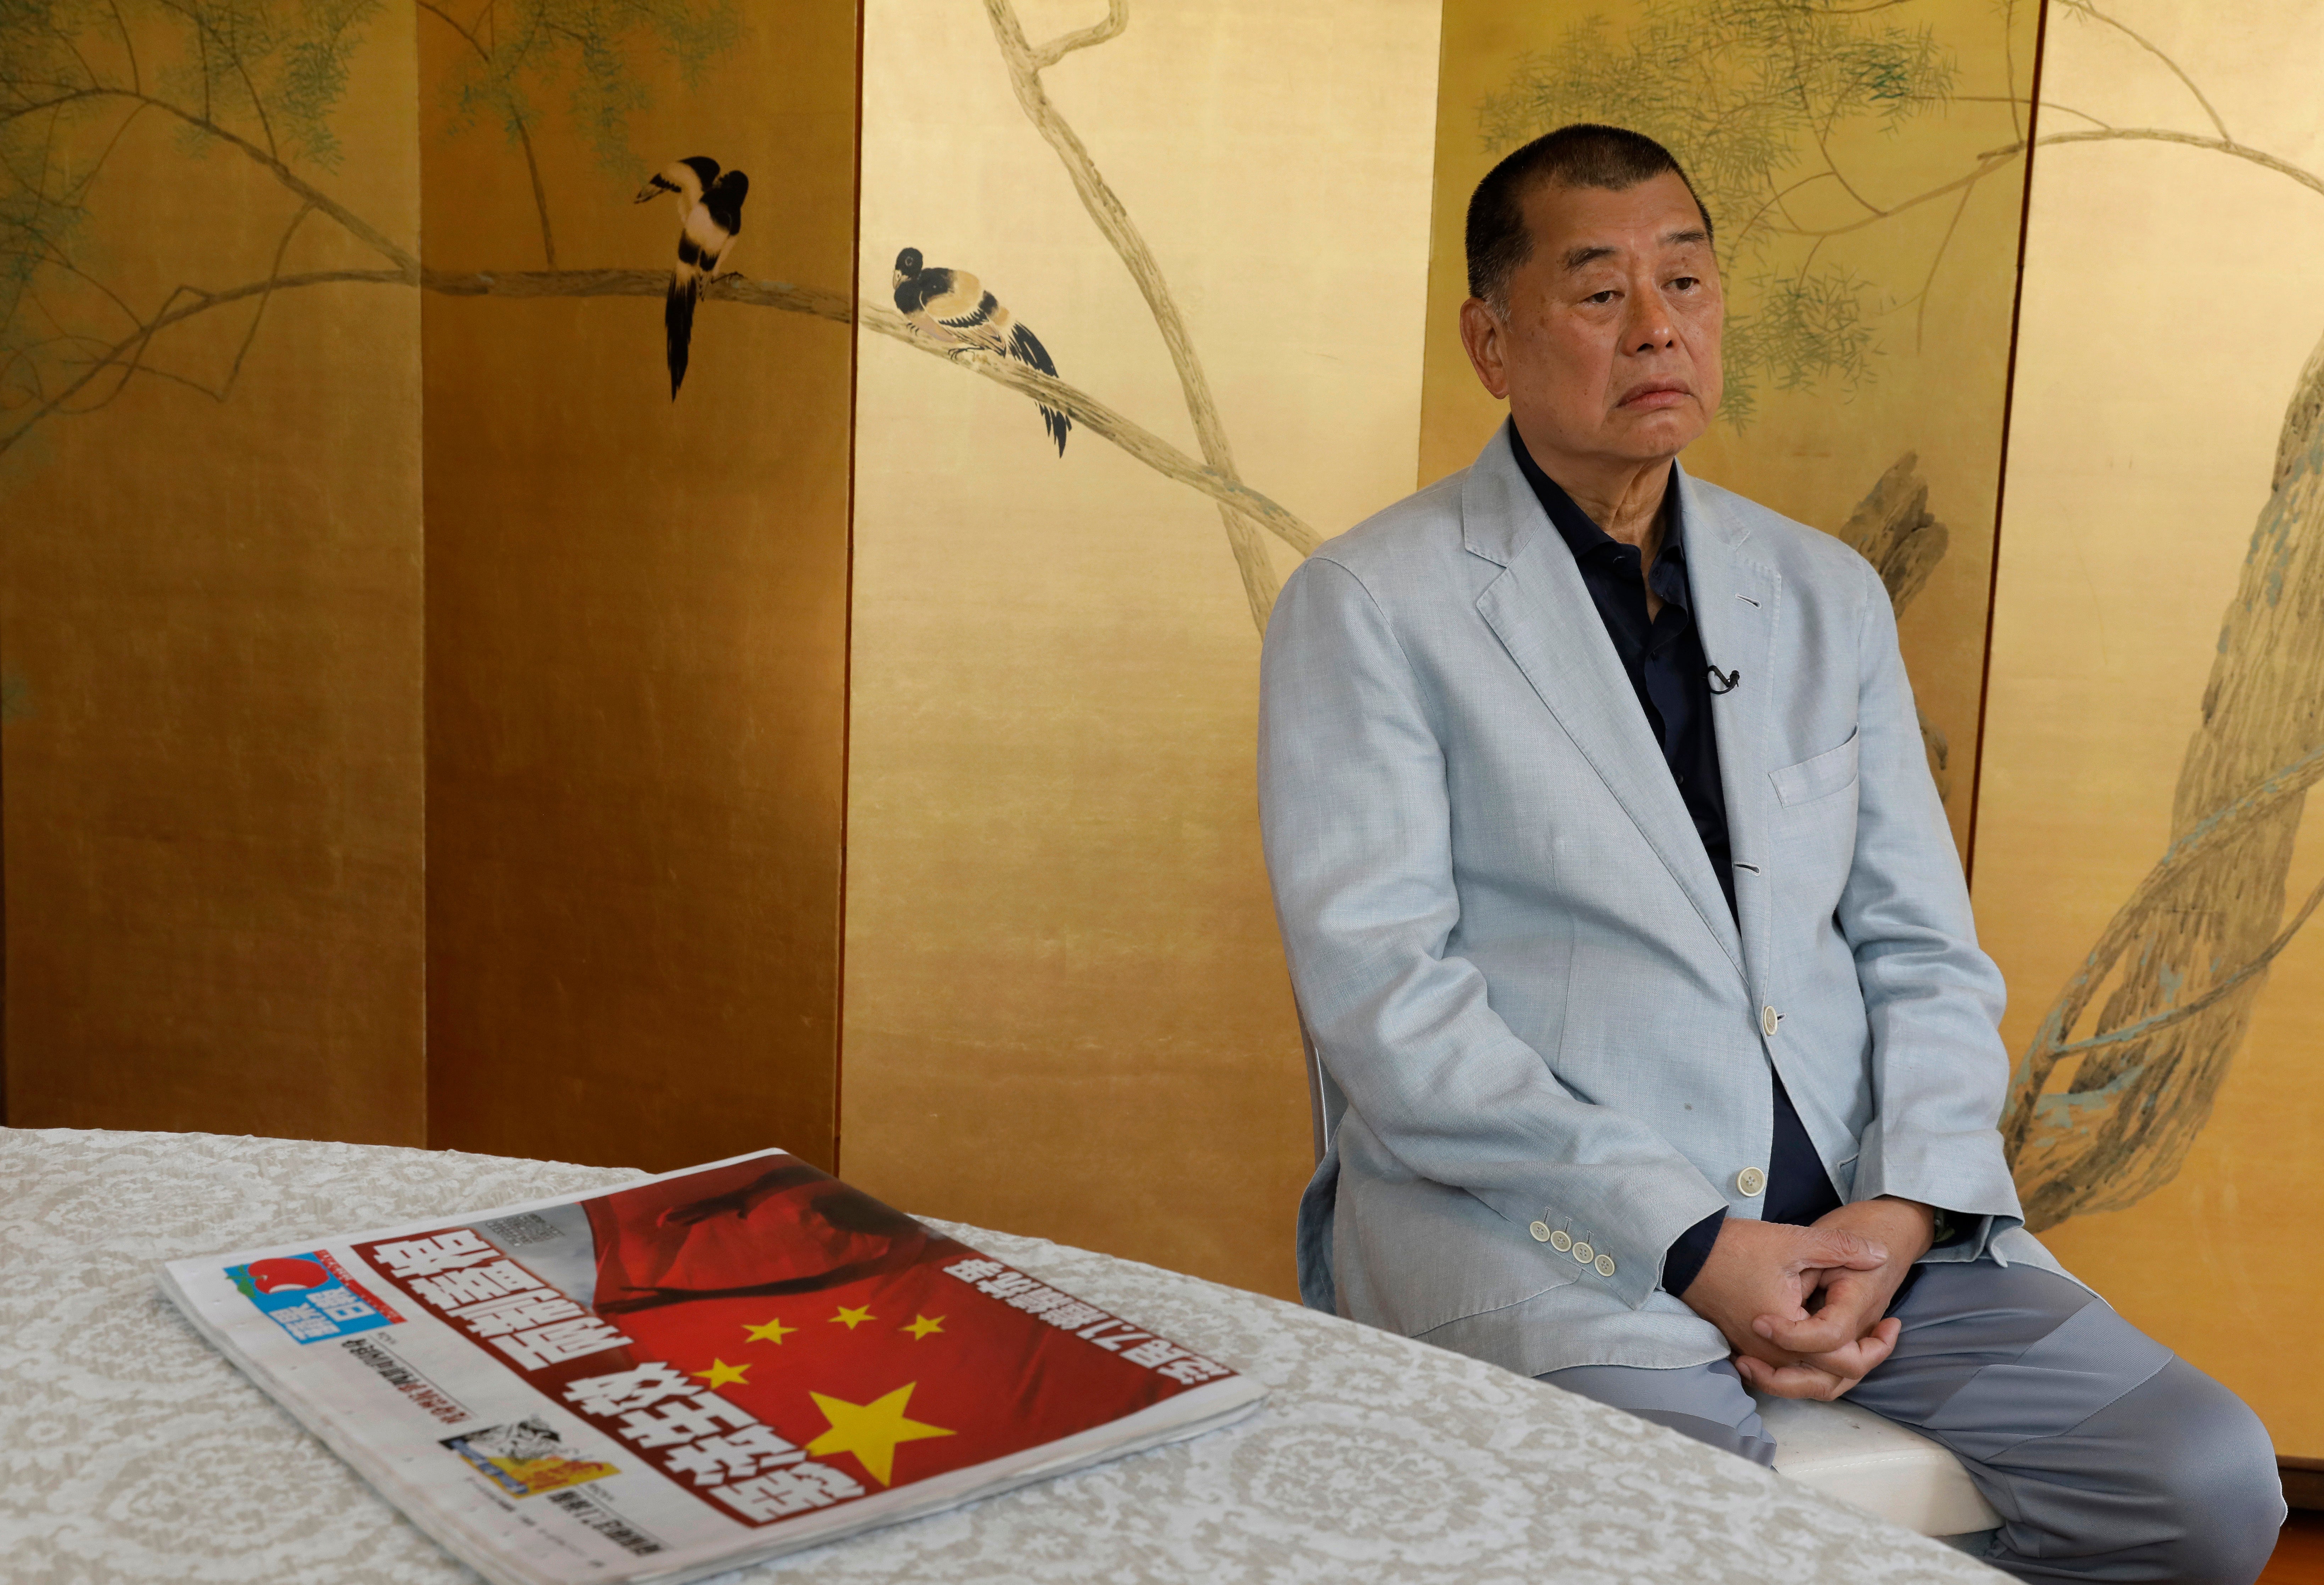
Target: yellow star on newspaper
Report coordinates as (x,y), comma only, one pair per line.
(922,1325)
(720,1373)
(773,1331)
(870,1431)
(851,1318)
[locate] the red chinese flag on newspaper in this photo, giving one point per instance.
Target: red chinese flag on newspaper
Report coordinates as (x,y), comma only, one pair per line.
(776,1341)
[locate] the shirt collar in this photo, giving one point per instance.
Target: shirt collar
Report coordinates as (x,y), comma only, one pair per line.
(1584,538)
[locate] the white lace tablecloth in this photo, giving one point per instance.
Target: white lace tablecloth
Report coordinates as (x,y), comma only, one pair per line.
(130,1451)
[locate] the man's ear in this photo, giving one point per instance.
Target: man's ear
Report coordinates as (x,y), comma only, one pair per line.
(1481,333)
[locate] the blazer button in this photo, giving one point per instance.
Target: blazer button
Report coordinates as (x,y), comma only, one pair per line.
(1750,1183)
(1540,1231)
(1768,1019)
(1605,1265)
(1560,1241)
(1583,1252)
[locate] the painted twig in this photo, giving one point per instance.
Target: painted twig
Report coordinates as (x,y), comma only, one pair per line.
(1231,493)
(1025,64)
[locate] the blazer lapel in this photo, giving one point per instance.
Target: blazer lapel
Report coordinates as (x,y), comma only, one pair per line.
(1739,606)
(1545,618)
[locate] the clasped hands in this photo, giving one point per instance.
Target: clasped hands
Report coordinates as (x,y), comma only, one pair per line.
(1802,1307)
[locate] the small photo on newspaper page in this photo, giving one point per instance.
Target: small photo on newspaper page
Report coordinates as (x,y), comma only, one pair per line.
(690,1372)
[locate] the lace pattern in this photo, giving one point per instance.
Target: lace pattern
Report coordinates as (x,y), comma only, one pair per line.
(130,1451)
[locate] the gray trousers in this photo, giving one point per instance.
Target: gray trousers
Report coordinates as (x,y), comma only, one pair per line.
(2107,1456)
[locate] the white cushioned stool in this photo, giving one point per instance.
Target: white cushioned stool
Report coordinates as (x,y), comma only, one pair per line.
(1876,1465)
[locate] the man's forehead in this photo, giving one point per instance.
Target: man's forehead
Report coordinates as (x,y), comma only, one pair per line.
(1574,227)
(1588,253)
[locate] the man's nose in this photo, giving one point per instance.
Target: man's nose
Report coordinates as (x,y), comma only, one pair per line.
(1650,329)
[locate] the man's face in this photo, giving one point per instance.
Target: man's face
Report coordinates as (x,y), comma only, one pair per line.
(1610,348)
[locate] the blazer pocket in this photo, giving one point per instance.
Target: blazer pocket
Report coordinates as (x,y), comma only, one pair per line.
(1819,778)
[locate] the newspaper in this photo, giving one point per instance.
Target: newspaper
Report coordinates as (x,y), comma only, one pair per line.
(688,1373)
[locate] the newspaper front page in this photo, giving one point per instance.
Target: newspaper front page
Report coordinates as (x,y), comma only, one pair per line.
(689,1372)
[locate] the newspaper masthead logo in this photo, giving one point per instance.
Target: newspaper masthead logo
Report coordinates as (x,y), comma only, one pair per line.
(310,1297)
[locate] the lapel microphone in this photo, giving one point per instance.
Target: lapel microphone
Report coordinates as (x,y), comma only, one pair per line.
(1723,682)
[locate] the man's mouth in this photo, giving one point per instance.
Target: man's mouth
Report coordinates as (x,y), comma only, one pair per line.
(1656,393)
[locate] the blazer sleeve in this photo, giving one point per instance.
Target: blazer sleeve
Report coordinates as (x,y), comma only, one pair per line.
(1357,826)
(1932,998)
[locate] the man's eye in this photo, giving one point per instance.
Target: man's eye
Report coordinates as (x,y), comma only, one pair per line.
(1687,282)
(1606,295)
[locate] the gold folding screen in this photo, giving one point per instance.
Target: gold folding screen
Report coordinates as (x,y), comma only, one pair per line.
(209,403)
(1864,170)
(421,727)
(1067,1007)
(636,600)
(2143,868)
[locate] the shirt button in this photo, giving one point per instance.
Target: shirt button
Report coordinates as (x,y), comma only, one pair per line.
(1560,1241)
(1750,1183)
(1540,1231)
(1583,1252)
(1605,1265)
(1768,1017)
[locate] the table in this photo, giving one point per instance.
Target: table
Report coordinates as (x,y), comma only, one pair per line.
(130,1451)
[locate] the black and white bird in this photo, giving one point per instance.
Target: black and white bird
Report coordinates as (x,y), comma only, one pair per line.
(952,308)
(711,207)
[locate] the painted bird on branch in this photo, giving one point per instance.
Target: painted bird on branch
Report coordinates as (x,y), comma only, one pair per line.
(952,308)
(710,204)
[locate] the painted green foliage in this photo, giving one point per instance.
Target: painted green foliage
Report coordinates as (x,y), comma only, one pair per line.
(2113,1090)
(257,81)
(260,78)
(1750,95)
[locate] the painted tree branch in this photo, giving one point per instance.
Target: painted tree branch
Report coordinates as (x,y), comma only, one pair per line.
(2144,43)
(1025,64)
(1247,514)
(354,224)
(2188,951)
(1994,159)
(2227,824)
(1232,493)
(1229,493)
(2209,999)
(124,355)
(1117,17)
(516,121)
(1997,159)
(2164,135)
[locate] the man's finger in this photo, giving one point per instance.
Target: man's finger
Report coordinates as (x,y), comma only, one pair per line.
(1831,1328)
(1867,1352)
(1800,1381)
(1833,1247)
(1852,1306)
(1792,1381)
(1831,1333)
(1864,1355)
(1761,1349)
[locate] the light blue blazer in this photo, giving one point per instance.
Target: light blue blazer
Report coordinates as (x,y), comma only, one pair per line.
(1548,1034)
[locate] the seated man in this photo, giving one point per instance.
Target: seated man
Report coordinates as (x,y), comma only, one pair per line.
(1620,901)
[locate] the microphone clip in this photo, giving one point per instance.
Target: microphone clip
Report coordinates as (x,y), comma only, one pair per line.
(1723,682)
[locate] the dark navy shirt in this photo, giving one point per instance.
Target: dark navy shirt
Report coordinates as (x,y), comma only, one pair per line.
(1663,659)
